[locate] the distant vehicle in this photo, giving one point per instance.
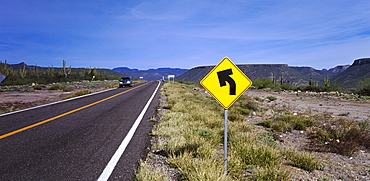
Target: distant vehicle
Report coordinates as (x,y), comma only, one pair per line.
(125,81)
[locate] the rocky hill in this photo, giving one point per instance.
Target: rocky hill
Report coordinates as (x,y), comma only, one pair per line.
(347,76)
(151,74)
(290,75)
(358,71)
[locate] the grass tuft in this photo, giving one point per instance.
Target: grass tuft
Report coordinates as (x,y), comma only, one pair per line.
(288,123)
(303,160)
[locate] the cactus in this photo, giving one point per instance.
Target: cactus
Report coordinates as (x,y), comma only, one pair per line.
(36,71)
(327,82)
(23,72)
(310,82)
(66,71)
(281,80)
(6,69)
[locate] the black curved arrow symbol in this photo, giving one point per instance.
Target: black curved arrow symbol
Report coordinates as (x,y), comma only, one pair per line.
(223,77)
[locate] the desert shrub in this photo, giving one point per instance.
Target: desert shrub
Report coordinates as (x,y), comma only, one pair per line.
(38,87)
(55,87)
(320,88)
(82,92)
(342,136)
(258,99)
(288,123)
(271,98)
(288,87)
(67,89)
(79,93)
(262,83)
(268,139)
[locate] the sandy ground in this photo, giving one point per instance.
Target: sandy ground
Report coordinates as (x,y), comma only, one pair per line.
(318,104)
(27,96)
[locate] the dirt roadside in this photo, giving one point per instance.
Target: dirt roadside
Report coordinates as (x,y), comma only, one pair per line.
(21,97)
(337,167)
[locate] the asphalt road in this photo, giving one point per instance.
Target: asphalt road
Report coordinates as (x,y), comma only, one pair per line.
(79,137)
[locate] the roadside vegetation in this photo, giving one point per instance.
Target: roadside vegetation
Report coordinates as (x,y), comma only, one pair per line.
(363,92)
(38,75)
(190,135)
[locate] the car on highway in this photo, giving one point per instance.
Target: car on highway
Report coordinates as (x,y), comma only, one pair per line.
(125,81)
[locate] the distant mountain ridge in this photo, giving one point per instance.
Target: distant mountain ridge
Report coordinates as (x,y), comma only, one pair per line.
(151,74)
(347,76)
(290,75)
(358,71)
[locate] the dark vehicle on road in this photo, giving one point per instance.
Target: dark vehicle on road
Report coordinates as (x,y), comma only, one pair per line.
(125,81)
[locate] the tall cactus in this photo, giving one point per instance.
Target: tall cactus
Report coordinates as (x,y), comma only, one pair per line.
(7,70)
(281,80)
(66,71)
(23,72)
(310,82)
(327,82)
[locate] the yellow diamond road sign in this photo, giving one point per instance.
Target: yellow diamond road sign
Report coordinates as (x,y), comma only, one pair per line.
(226,82)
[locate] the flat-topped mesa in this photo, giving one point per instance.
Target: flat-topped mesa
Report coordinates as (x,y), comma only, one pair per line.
(262,65)
(361,61)
(247,65)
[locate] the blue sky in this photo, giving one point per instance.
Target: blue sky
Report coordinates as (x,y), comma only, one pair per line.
(184,33)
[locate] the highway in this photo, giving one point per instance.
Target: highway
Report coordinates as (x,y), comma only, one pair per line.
(78,139)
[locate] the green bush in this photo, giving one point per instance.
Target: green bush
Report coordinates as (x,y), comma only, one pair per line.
(271,98)
(262,83)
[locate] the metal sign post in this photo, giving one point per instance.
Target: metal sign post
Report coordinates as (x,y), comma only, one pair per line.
(225,141)
(226,83)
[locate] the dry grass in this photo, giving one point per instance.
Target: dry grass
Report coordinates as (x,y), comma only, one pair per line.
(342,136)
(191,134)
(288,123)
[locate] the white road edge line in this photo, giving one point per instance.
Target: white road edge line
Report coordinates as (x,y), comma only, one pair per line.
(117,155)
(65,100)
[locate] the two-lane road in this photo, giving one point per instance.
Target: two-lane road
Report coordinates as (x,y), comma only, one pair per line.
(76,140)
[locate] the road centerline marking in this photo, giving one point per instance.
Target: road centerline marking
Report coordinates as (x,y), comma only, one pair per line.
(65,114)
